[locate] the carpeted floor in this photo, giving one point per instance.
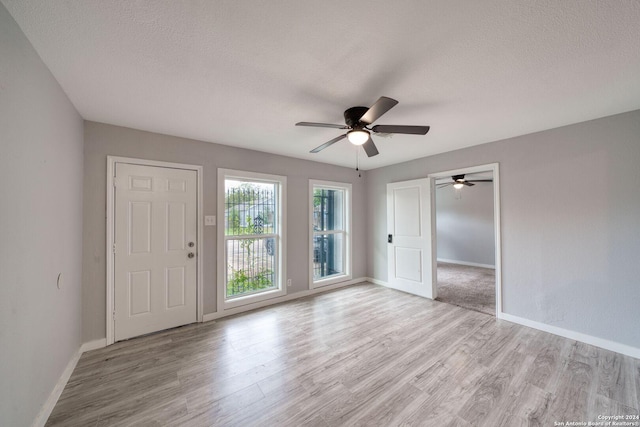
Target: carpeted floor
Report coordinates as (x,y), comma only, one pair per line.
(473,288)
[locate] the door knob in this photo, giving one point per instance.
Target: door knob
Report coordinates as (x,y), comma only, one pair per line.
(191,254)
(191,244)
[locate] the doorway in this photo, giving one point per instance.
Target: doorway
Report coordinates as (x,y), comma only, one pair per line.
(154,238)
(466,233)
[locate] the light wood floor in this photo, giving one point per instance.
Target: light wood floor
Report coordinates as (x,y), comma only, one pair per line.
(364,355)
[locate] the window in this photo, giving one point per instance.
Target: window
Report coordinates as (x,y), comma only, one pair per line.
(252,237)
(330,238)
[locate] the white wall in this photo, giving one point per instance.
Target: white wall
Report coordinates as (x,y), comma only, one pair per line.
(40,228)
(464,224)
(570,216)
(102,140)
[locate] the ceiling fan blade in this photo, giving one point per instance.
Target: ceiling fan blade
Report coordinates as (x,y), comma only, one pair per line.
(370,148)
(444,184)
(322,125)
(481,180)
(381,106)
(410,130)
(328,144)
(468,184)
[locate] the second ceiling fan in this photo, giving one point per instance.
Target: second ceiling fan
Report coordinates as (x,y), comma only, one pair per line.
(458,181)
(358,120)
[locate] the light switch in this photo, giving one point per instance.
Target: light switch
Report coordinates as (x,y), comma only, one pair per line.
(209,220)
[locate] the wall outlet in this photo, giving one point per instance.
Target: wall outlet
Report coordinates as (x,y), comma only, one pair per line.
(209,220)
(288,282)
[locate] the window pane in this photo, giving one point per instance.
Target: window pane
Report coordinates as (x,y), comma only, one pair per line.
(250,208)
(328,208)
(251,266)
(328,251)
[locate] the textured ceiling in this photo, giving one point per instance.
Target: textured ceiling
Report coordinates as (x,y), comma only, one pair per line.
(242,73)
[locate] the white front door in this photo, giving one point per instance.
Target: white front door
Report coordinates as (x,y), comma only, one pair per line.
(155,249)
(409,237)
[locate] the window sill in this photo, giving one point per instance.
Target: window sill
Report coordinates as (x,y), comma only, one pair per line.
(250,299)
(332,280)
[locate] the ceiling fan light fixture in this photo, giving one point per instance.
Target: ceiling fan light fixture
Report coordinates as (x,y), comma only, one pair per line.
(358,136)
(458,185)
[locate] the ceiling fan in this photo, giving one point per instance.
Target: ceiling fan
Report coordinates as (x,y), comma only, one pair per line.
(459,182)
(358,120)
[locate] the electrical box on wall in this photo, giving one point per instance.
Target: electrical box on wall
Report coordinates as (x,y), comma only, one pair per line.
(210,220)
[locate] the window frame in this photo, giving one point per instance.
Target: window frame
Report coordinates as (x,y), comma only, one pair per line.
(280,236)
(346,232)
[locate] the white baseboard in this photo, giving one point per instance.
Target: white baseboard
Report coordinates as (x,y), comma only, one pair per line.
(213,316)
(47,408)
(93,345)
(377,282)
(578,336)
(470,264)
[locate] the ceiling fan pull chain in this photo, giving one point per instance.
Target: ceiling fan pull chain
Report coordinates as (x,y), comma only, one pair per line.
(358,162)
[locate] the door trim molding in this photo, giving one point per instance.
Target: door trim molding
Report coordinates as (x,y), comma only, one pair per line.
(491,167)
(110,216)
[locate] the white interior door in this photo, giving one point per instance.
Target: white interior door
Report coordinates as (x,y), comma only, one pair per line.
(410,234)
(155,235)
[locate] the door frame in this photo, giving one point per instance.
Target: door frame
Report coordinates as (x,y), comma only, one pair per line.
(495,169)
(110,216)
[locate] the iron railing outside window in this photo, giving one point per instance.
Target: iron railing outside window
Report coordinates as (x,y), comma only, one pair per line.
(251,238)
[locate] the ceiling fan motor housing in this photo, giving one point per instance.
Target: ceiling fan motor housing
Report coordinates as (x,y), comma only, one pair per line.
(352,116)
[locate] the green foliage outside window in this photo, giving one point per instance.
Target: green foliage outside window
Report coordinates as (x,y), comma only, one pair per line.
(240,282)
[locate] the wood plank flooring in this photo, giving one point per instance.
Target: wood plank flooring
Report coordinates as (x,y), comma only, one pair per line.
(362,356)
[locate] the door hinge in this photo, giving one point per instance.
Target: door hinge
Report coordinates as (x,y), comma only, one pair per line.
(114,248)
(115,182)
(114,315)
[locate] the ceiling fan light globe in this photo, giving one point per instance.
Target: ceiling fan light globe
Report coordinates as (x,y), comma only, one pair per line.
(458,185)
(358,136)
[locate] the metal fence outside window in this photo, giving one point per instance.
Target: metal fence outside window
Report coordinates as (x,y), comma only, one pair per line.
(250,213)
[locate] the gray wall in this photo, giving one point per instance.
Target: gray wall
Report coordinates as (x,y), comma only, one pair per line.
(464,225)
(40,228)
(570,223)
(102,140)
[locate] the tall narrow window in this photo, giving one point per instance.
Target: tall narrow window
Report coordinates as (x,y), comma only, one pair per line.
(253,260)
(330,234)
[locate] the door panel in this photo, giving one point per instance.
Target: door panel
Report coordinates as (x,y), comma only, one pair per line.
(140,227)
(409,224)
(409,264)
(155,219)
(176,221)
(175,287)
(406,206)
(139,292)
